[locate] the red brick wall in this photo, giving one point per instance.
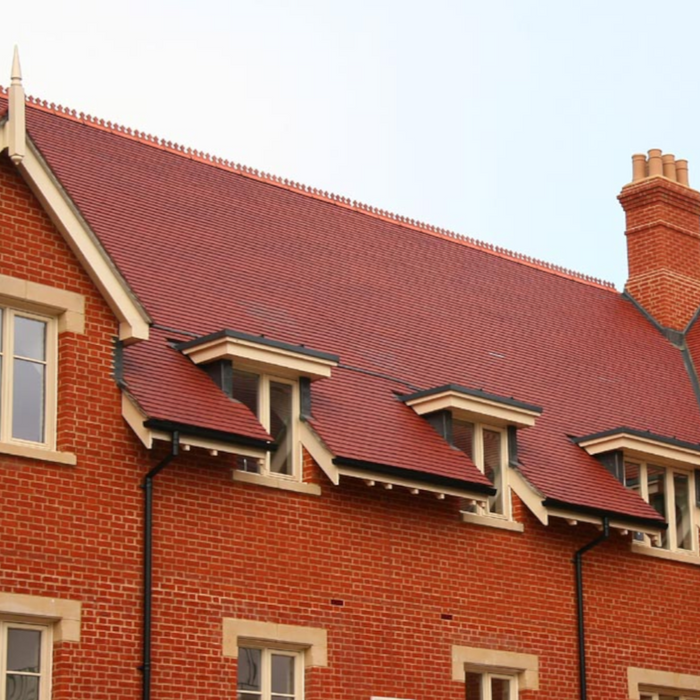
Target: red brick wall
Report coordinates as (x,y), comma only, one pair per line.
(663,247)
(413,579)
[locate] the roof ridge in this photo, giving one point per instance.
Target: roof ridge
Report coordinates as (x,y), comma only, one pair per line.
(314,192)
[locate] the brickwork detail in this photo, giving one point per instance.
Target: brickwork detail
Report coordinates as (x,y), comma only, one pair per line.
(663,247)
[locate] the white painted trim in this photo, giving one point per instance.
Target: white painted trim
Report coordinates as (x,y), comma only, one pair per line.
(42,453)
(319,451)
(65,614)
(660,681)
(134,321)
(474,408)
(495,521)
(261,358)
(276,482)
(645,449)
(528,494)
(313,640)
(526,666)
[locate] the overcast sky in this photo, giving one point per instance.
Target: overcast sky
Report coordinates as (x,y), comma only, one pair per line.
(511,121)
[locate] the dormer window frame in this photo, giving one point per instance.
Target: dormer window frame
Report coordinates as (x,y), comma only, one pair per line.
(487,413)
(621,448)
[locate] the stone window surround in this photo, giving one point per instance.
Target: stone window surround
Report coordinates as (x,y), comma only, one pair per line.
(64,615)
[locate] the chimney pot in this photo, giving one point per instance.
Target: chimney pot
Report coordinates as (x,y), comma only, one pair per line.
(655,164)
(669,163)
(639,167)
(682,172)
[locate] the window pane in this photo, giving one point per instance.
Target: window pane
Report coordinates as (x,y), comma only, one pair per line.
(657,494)
(500,689)
(493,468)
(249,670)
(463,436)
(248,464)
(280,427)
(22,687)
(28,401)
(632,476)
(282,674)
(30,338)
(245,389)
(23,647)
(682,504)
(472,682)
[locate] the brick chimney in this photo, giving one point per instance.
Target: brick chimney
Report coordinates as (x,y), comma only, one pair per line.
(663,238)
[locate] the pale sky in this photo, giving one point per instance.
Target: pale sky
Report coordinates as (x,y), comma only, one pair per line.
(510,121)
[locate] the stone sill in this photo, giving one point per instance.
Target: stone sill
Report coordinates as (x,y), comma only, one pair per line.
(41,453)
(275,482)
(492,521)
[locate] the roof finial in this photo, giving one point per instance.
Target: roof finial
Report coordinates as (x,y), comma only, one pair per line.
(16,123)
(16,77)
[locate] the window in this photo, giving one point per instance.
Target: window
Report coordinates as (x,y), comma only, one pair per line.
(275,402)
(25,661)
(647,684)
(488,449)
(670,492)
(665,696)
(490,686)
(269,674)
(27,377)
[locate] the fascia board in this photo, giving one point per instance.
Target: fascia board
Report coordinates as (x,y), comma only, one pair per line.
(643,448)
(135,418)
(474,407)
(269,359)
(417,486)
(615,523)
(133,319)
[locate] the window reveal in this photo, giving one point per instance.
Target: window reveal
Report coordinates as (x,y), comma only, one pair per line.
(275,403)
(668,491)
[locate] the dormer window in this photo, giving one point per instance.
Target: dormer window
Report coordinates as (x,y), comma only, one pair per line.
(662,471)
(267,376)
(484,427)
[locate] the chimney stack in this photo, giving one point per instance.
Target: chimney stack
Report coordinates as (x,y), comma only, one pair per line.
(663,238)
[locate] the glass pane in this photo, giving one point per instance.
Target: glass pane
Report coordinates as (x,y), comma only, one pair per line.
(282,674)
(22,687)
(493,468)
(249,670)
(657,494)
(23,649)
(463,436)
(30,338)
(472,683)
(28,401)
(632,476)
(280,427)
(681,493)
(245,389)
(248,464)
(500,689)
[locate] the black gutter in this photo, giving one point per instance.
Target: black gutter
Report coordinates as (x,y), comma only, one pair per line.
(170,426)
(434,479)
(578,566)
(147,487)
(629,520)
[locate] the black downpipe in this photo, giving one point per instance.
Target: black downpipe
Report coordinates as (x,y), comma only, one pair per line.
(578,563)
(147,487)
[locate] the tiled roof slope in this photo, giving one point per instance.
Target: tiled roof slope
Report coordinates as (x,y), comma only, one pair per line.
(206,249)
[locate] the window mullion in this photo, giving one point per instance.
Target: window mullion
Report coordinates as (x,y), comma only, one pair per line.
(672,532)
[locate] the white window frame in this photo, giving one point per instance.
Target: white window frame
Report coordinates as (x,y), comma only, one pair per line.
(45,662)
(483,507)
(263,415)
(649,695)
(669,491)
(9,313)
(487,676)
(266,670)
